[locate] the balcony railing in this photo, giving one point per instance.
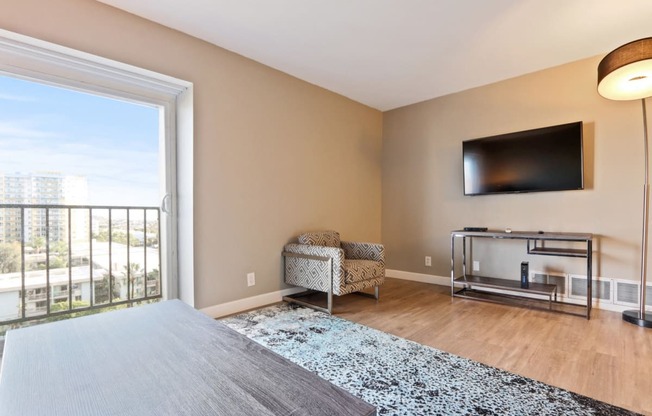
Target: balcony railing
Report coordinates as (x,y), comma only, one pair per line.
(58,259)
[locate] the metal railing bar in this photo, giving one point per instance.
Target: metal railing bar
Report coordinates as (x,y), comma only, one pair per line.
(69,259)
(54,206)
(87,308)
(22,260)
(111,252)
(47,258)
(128,258)
(47,222)
(145,250)
(160,261)
(91,290)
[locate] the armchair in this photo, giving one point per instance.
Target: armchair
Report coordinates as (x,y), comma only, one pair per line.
(319,261)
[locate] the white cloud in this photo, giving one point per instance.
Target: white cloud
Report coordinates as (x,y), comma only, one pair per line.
(21,98)
(22,130)
(117,175)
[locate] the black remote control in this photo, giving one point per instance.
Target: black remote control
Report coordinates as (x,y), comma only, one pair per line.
(475,228)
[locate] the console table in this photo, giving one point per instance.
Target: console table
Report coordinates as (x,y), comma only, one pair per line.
(536,244)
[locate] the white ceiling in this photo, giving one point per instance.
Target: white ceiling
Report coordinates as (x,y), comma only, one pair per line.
(391,53)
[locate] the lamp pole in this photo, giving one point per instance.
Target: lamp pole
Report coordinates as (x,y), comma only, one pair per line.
(626,74)
(640,317)
(646,209)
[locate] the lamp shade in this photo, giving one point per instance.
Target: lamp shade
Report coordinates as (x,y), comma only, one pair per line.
(626,72)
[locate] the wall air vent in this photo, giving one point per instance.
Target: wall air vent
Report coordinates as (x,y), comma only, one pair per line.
(601,289)
(627,293)
(551,279)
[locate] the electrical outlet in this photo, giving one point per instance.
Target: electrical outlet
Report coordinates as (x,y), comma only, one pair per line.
(476,266)
(428,261)
(251,279)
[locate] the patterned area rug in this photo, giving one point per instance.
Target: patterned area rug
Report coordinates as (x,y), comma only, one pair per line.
(401,377)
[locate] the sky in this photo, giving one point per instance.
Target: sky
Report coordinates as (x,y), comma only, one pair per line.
(113,143)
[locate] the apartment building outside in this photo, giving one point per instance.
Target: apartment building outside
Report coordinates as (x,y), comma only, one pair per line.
(43,188)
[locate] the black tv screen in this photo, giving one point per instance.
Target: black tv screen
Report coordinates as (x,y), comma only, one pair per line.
(545,159)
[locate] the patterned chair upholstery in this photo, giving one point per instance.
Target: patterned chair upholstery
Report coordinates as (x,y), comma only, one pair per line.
(319,261)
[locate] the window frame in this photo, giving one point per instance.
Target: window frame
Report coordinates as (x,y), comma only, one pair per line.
(48,63)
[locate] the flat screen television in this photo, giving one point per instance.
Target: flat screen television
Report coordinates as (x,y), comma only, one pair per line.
(544,159)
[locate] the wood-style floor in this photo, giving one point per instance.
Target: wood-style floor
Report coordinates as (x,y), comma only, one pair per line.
(604,358)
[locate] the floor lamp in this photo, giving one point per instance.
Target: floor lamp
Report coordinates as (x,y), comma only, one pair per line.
(626,74)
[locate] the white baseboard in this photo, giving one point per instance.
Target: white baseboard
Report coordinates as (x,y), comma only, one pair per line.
(229,308)
(419,277)
(597,304)
(446,281)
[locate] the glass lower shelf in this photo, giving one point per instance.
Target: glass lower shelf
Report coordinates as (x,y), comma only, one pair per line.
(506,284)
(521,301)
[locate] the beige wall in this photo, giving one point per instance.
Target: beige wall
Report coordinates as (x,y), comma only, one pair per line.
(422,175)
(273,155)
